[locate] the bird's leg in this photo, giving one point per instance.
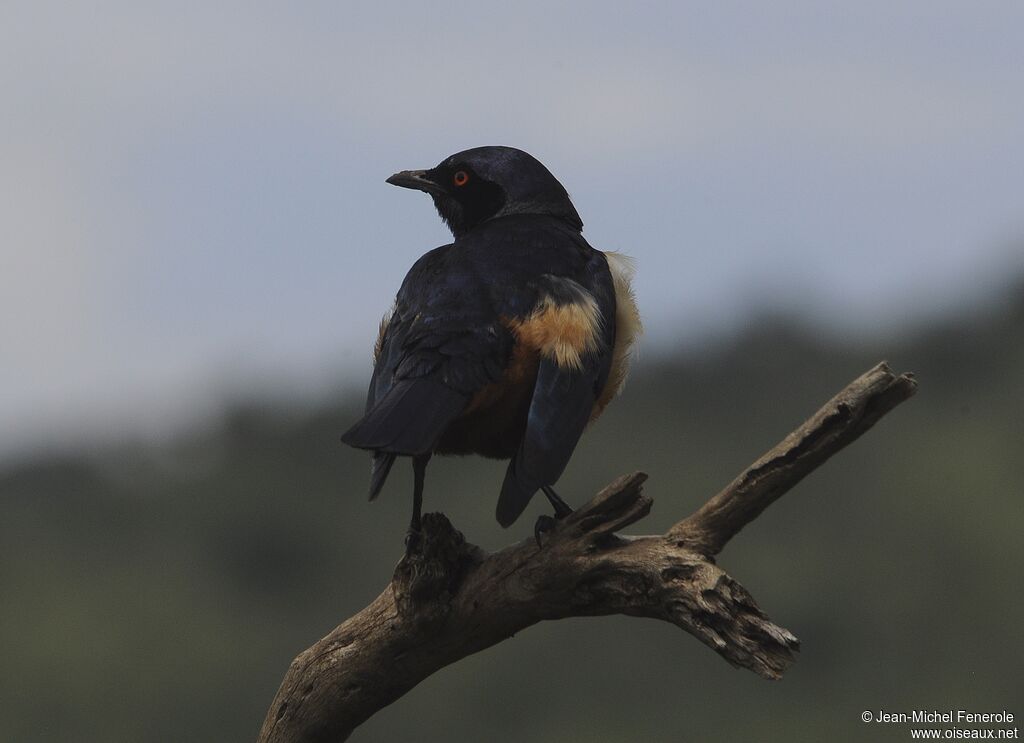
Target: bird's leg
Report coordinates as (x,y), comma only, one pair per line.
(546,523)
(419,470)
(562,509)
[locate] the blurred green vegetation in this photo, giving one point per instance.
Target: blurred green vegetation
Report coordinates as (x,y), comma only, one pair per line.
(158,593)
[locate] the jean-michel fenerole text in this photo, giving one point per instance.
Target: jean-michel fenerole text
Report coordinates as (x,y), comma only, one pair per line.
(938,715)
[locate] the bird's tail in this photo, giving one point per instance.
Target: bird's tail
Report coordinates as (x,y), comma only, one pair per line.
(408,419)
(379,470)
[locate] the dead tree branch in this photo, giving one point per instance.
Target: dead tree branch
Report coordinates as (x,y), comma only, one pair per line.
(452,599)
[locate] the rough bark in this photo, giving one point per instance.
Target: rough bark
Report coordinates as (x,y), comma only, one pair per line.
(451,599)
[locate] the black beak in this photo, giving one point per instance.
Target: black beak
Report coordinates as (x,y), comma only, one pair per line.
(414,179)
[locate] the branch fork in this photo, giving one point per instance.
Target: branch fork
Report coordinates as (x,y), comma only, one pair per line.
(450,599)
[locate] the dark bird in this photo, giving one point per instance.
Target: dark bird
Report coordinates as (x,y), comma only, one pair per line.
(506,342)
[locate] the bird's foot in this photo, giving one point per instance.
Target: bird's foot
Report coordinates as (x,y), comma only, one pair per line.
(544,524)
(413,540)
(547,523)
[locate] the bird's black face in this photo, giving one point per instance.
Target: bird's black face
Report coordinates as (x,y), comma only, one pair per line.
(463,198)
(473,186)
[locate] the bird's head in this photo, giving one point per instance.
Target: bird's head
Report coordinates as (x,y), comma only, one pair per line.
(475,185)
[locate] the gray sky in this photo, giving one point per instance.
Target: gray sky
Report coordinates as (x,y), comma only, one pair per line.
(192,195)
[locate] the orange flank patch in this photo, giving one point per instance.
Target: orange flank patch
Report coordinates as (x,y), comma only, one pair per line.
(560,332)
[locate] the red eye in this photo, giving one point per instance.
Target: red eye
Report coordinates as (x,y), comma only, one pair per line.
(461,178)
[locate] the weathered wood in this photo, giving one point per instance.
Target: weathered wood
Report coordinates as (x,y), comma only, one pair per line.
(450,599)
